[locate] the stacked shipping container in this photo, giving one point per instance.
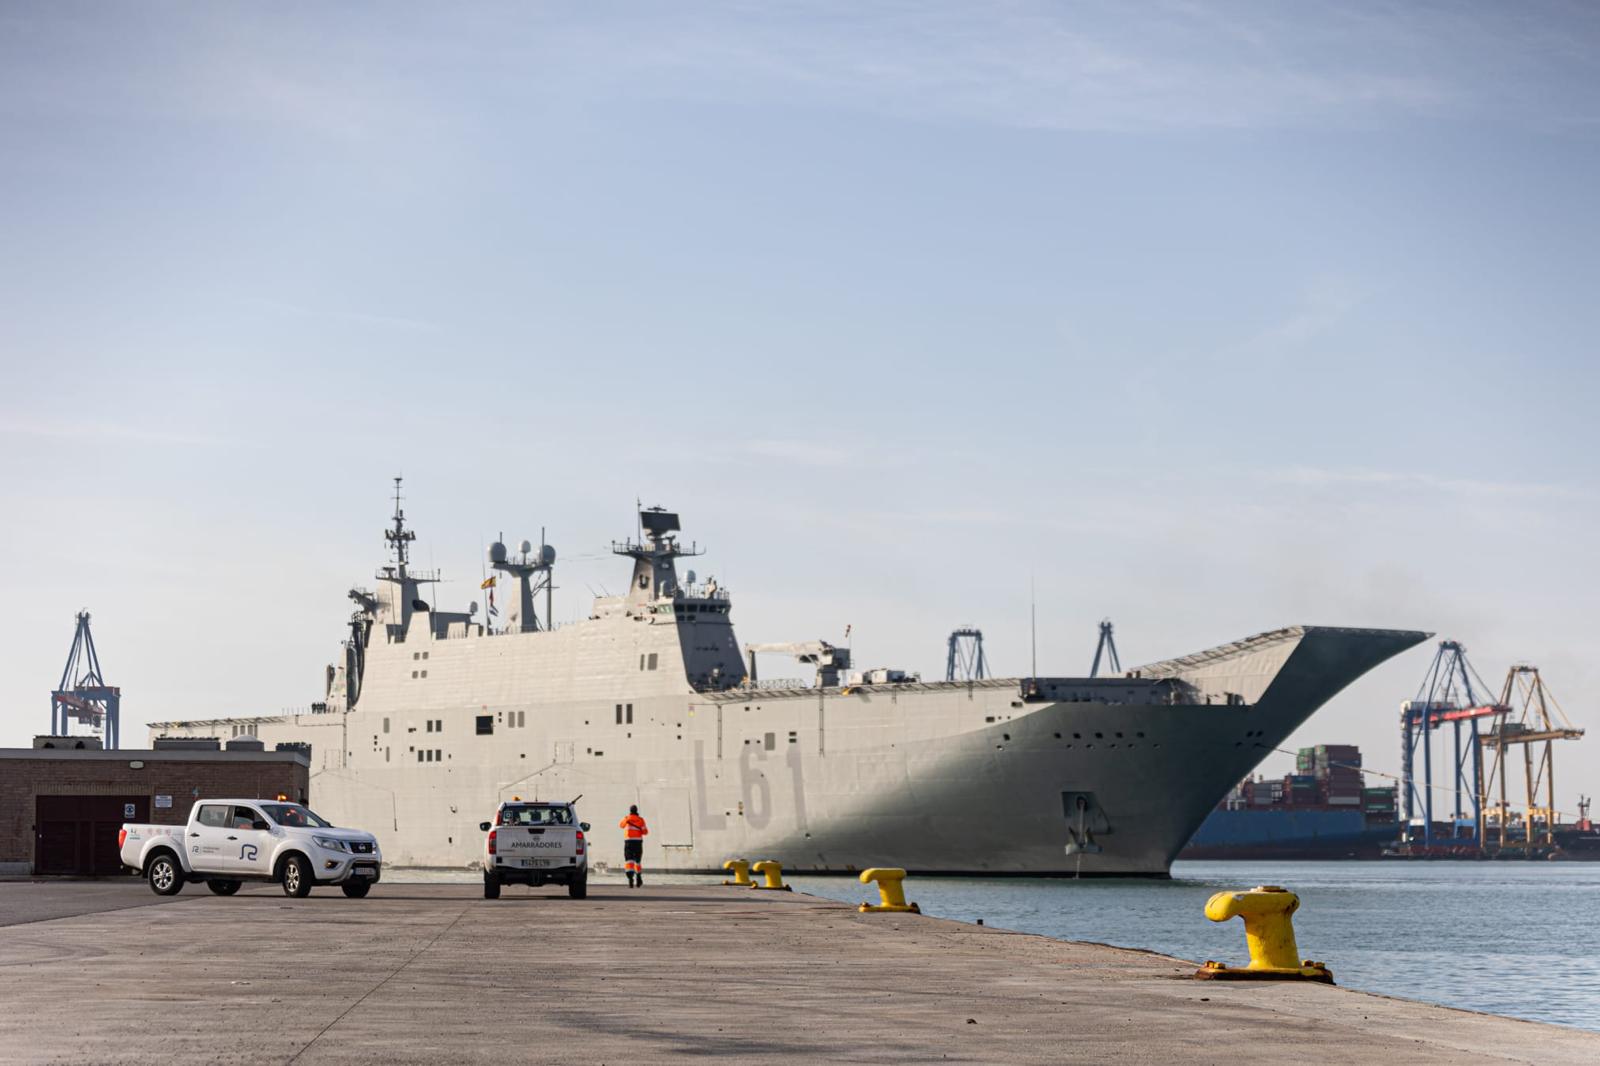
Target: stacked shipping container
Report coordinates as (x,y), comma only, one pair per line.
(1321,810)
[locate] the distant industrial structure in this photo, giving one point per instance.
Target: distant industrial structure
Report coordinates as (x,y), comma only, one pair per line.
(1447,697)
(1540,720)
(1486,729)
(83,695)
(1107,649)
(964,660)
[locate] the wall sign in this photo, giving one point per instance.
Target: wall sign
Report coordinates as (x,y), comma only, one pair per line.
(127,810)
(163,801)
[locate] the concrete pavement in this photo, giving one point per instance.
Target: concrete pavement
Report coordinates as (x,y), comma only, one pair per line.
(434,973)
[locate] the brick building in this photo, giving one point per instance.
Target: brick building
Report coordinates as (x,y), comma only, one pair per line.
(60,809)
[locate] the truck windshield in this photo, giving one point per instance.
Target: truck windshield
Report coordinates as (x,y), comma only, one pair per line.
(294,816)
(536,816)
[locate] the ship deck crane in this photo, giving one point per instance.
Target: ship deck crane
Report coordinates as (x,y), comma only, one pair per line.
(1524,690)
(827,658)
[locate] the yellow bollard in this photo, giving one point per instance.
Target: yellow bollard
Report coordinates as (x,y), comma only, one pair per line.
(1268,912)
(891,892)
(772,872)
(740,868)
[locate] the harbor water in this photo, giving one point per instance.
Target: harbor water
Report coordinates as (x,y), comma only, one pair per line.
(1513,938)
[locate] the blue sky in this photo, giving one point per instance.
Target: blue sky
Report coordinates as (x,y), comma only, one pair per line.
(1210,318)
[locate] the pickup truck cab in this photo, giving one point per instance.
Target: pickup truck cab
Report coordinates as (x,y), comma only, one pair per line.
(230,841)
(535,844)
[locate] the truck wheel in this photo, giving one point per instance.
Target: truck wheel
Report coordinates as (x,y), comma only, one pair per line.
(223,888)
(579,889)
(297,877)
(491,886)
(357,889)
(165,875)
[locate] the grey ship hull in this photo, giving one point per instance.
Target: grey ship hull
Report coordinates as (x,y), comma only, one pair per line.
(1019,776)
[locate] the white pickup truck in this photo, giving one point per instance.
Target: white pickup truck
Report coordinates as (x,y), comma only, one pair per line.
(535,844)
(230,841)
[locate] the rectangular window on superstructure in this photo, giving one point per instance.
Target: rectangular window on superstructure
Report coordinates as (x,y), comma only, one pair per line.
(386,725)
(419,754)
(430,725)
(770,741)
(652,660)
(630,714)
(522,719)
(619,714)
(485,724)
(641,660)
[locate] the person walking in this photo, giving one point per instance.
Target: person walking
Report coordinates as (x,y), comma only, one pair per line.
(634,831)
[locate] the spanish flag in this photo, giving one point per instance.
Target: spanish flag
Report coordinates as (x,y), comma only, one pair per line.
(488,583)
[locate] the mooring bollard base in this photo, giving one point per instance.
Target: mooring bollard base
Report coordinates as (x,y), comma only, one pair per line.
(1310,971)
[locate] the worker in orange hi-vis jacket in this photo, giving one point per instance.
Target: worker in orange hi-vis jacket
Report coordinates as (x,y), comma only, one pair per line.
(635,831)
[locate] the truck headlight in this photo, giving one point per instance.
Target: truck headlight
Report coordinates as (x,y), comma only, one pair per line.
(331,843)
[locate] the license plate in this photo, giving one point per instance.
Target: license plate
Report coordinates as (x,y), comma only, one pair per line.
(534,862)
(364,871)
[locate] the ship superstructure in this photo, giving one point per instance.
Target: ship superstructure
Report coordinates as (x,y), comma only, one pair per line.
(432,717)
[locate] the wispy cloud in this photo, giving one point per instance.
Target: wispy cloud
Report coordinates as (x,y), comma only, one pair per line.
(1111,66)
(1321,307)
(357,317)
(802,452)
(358,74)
(1410,481)
(73,427)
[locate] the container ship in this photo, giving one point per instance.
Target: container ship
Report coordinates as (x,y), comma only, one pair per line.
(428,717)
(1323,810)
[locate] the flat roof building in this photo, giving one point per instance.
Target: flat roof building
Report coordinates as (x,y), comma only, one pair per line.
(61,807)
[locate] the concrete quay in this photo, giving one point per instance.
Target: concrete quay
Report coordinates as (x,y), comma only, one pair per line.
(97,973)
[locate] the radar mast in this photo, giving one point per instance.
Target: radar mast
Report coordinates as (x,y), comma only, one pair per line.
(654,573)
(399,537)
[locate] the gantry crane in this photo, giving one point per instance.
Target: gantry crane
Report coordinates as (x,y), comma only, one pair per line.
(1447,695)
(1107,648)
(964,659)
(1524,693)
(83,695)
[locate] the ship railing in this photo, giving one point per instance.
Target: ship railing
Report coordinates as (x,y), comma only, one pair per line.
(388,573)
(703,592)
(778,682)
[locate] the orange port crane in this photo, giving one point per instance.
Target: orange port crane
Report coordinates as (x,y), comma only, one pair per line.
(1539,719)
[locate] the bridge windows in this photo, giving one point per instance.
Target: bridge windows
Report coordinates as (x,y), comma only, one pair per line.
(485,725)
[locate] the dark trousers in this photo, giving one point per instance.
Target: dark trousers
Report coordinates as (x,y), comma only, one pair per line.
(633,855)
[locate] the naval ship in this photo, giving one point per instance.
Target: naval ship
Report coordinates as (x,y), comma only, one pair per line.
(432,717)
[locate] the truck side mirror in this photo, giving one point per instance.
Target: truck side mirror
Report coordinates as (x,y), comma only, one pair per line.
(483,826)
(261,824)
(584,826)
